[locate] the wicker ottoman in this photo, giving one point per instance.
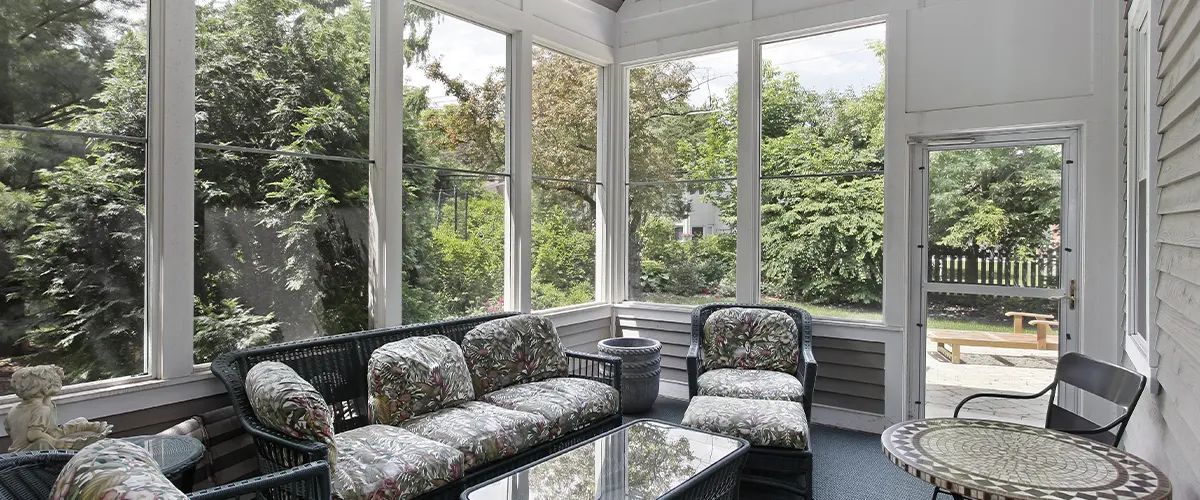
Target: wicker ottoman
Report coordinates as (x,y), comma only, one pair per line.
(780,452)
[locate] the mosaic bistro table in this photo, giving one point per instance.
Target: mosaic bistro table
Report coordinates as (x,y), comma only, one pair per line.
(989,460)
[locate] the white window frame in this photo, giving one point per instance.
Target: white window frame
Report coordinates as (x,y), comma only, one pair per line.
(171,376)
(749,214)
(1142,165)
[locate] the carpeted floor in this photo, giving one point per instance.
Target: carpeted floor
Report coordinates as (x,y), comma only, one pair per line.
(846,464)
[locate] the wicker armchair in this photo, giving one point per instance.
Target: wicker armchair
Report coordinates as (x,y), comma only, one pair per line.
(778,466)
(31,475)
(806,370)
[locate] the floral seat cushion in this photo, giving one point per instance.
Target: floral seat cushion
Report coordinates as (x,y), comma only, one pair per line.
(568,403)
(748,338)
(780,424)
(380,462)
(513,350)
(285,402)
(482,432)
(750,384)
(414,376)
(112,469)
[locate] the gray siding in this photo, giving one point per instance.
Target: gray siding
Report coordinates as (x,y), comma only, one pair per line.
(153,420)
(1166,428)
(850,373)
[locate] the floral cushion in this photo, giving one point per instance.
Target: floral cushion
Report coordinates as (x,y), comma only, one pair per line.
(112,469)
(750,384)
(760,339)
(513,350)
(284,401)
(380,462)
(569,403)
(414,376)
(780,424)
(482,432)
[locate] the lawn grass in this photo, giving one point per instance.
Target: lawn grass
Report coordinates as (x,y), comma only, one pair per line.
(851,313)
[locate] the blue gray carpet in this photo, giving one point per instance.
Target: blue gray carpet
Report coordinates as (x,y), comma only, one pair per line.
(846,464)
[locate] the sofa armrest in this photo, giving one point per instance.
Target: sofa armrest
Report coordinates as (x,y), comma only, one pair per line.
(807,373)
(276,451)
(598,367)
(309,481)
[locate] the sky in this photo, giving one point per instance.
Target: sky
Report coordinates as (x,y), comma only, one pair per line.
(830,61)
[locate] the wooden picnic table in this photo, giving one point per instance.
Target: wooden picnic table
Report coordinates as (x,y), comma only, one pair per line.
(958,338)
(1019,319)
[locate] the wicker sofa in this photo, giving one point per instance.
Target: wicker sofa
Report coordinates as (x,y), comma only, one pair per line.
(343,371)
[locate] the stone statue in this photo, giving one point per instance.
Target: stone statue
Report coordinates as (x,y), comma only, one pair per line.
(33,423)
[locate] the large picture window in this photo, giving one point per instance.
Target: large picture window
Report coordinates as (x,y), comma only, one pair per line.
(565,186)
(822,173)
(456,168)
(282,129)
(72,187)
(682,166)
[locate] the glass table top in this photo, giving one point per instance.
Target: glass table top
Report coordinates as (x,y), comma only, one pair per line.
(642,460)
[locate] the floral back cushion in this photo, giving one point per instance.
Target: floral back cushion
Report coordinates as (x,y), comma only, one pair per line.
(284,401)
(754,339)
(414,376)
(113,469)
(512,350)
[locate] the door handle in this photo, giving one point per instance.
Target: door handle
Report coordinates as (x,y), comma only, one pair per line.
(1071,295)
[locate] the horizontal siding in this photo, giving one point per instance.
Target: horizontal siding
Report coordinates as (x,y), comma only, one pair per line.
(1166,426)
(850,373)
(154,420)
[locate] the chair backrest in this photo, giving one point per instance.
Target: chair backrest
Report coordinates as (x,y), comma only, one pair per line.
(30,475)
(801,317)
(1116,384)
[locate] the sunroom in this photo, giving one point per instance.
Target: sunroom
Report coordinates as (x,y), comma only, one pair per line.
(876,208)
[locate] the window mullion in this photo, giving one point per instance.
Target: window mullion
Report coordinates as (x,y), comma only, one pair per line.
(749,168)
(518,207)
(387,172)
(170,181)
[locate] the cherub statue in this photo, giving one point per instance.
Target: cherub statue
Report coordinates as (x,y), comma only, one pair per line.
(33,424)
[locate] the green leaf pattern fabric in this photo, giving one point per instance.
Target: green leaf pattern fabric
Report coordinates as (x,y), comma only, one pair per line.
(568,403)
(762,422)
(284,401)
(750,384)
(380,462)
(112,469)
(482,432)
(513,350)
(755,339)
(414,376)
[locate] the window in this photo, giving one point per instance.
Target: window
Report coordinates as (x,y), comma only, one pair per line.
(72,187)
(822,173)
(682,170)
(456,167)
(565,189)
(282,127)
(1139,165)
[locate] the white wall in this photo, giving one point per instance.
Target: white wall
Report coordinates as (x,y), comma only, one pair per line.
(953,66)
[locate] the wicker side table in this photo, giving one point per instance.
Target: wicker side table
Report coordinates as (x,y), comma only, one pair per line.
(177,457)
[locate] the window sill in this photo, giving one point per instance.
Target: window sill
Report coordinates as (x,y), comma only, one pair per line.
(817,320)
(1137,350)
(140,394)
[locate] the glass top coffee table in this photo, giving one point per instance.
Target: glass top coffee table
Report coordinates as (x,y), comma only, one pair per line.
(641,460)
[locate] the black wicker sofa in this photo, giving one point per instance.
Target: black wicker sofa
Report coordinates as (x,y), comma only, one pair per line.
(337,367)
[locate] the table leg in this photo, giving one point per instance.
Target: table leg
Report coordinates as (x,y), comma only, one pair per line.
(1018,323)
(957,358)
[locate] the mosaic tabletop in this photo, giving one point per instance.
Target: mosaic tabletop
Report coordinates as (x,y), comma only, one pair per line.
(990,460)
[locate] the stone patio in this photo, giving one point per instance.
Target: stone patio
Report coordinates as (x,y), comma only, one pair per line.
(987,369)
